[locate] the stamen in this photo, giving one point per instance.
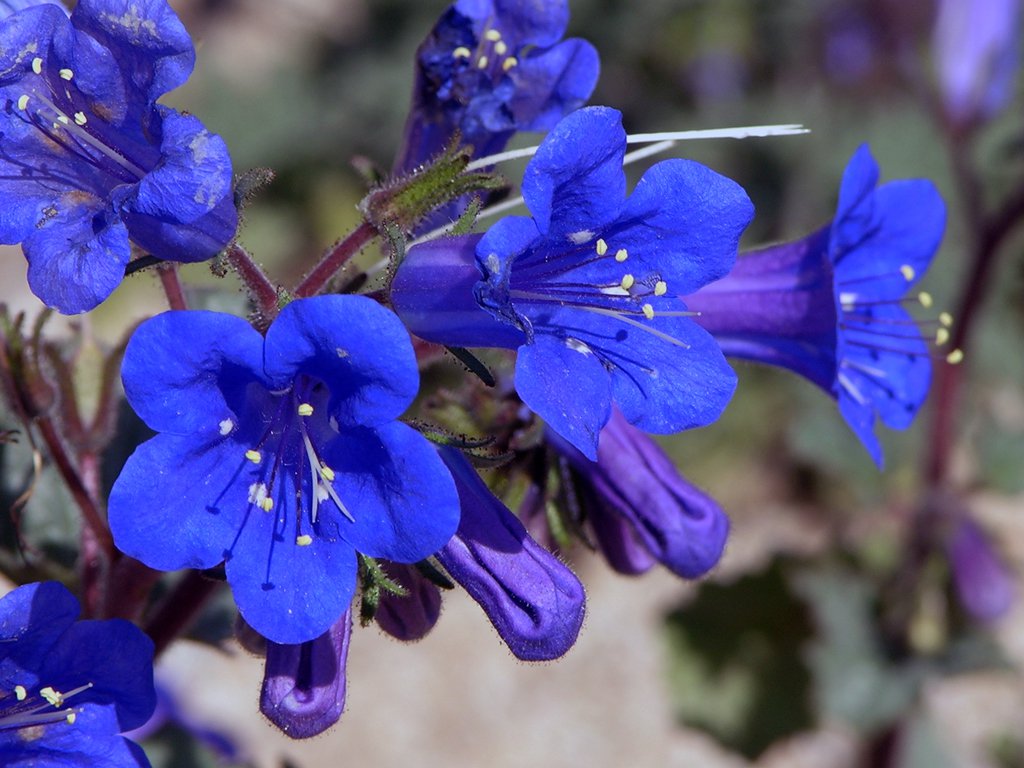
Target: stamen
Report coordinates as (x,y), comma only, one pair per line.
(908,272)
(71,717)
(648,311)
(946,319)
(53,698)
(660,288)
(493,35)
(254,456)
(602,247)
(955,357)
(327,473)
(462,52)
(37,65)
(500,48)
(20,693)
(621,255)
(305,409)
(80,118)
(627,282)
(23,102)
(304,540)
(65,74)
(941,336)
(637,324)
(226,426)
(482,63)
(510,62)
(925,298)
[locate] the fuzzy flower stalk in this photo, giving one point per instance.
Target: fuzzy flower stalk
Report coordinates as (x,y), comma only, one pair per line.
(831,306)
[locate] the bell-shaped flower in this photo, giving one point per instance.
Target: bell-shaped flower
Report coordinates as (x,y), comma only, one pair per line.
(830,307)
(303,690)
(984,583)
(490,68)
(89,162)
(641,509)
(411,616)
(534,601)
(589,287)
(69,689)
(281,456)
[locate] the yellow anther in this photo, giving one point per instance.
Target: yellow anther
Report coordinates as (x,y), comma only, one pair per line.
(80,118)
(53,698)
(66,74)
(20,693)
(493,35)
(500,48)
(266,503)
(908,272)
(602,247)
(621,255)
(327,474)
(63,119)
(71,717)
(941,337)
(462,52)
(925,298)
(254,456)
(955,357)
(660,288)
(226,426)
(37,65)
(483,62)
(946,319)
(304,540)
(305,409)
(648,311)
(23,102)
(510,62)
(627,282)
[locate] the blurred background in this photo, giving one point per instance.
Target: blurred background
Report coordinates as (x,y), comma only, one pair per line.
(786,654)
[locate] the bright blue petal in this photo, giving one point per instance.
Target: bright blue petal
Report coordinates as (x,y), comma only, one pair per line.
(855,210)
(397,489)
(575,182)
(90,742)
(861,419)
(359,349)
(196,241)
(553,83)
(180,501)
(32,618)
(177,365)
(77,257)
(566,386)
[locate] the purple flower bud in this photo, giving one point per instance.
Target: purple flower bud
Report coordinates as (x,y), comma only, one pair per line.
(635,482)
(413,616)
(534,601)
(303,690)
(617,539)
(983,582)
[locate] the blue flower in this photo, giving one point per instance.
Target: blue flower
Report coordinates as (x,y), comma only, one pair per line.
(641,509)
(89,163)
(534,601)
(490,68)
(588,288)
(830,306)
(69,689)
(281,456)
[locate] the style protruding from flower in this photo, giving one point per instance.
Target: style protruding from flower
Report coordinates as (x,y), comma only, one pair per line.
(534,601)
(641,509)
(281,456)
(589,287)
(490,68)
(69,689)
(89,162)
(831,307)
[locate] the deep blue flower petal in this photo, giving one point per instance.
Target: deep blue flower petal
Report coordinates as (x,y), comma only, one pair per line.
(356,346)
(177,365)
(552,83)
(860,417)
(575,182)
(410,617)
(289,593)
(77,257)
(855,209)
(569,389)
(90,742)
(195,241)
(180,501)
(540,24)
(32,618)
(397,489)
(150,43)
(19,35)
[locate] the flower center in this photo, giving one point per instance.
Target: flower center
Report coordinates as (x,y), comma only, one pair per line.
(491,57)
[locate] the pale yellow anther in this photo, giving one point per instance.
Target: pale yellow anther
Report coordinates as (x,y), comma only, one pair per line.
(327,474)
(305,409)
(510,62)
(941,337)
(23,102)
(71,717)
(483,62)
(53,698)
(254,456)
(266,503)
(66,74)
(462,52)
(304,540)
(602,247)
(627,282)
(226,426)
(37,65)
(955,357)
(660,288)
(925,298)
(648,311)
(621,255)
(500,48)
(946,319)
(493,35)
(63,119)
(80,118)
(908,272)
(20,693)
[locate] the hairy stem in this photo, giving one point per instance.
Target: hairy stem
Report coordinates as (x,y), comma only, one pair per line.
(334,260)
